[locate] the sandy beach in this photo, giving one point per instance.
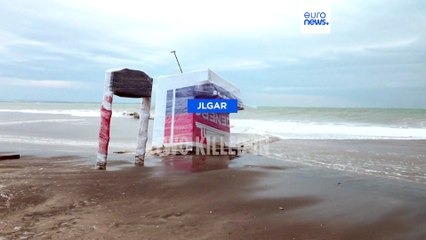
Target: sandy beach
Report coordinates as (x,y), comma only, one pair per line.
(190,197)
(279,189)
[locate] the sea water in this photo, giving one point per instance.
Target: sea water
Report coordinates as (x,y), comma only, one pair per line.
(30,126)
(333,123)
(282,122)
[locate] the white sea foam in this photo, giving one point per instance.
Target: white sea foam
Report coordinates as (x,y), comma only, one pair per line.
(58,141)
(312,130)
(70,112)
(284,129)
(40,121)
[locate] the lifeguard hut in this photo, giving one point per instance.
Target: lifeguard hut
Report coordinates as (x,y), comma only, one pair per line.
(174,126)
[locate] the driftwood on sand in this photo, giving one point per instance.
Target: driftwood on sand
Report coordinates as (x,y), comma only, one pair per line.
(9,156)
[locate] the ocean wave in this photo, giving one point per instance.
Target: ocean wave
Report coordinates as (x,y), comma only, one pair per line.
(70,112)
(41,121)
(59,141)
(313,130)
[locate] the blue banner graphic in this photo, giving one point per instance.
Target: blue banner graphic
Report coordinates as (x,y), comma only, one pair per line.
(212,105)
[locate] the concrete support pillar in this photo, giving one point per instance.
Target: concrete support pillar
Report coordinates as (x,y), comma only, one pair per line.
(143,130)
(104,132)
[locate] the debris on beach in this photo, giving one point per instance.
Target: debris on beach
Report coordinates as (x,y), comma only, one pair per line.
(9,156)
(175,127)
(135,115)
(131,84)
(123,152)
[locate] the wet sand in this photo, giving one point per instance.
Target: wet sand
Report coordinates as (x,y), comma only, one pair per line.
(249,197)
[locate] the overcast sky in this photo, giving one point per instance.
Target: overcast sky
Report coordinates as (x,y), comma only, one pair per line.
(375,55)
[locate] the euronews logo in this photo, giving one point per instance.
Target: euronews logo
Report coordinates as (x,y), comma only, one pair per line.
(315,19)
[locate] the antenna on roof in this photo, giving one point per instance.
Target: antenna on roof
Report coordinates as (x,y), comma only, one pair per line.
(180,68)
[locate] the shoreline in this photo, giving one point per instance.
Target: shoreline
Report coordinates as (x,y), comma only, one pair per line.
(381,158)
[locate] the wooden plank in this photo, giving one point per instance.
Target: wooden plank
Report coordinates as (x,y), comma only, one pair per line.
(131,83)
(9,156)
